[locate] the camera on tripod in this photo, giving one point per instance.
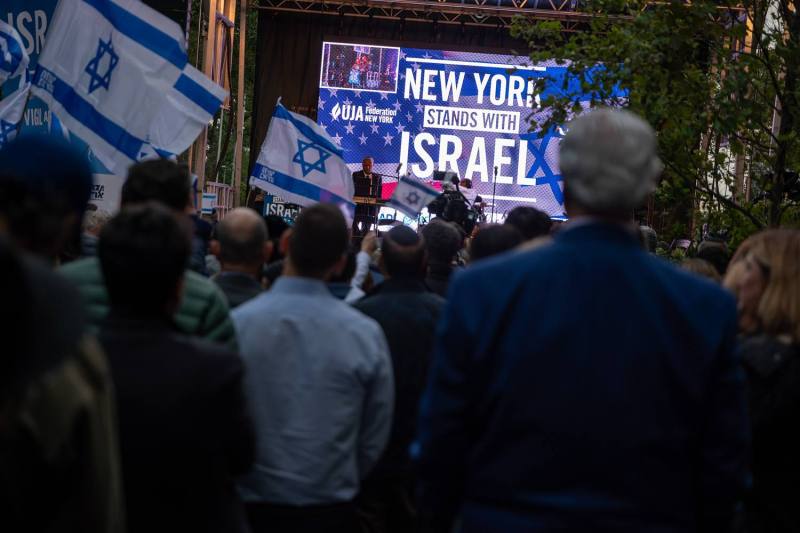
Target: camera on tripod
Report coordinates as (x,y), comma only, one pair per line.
(452,205)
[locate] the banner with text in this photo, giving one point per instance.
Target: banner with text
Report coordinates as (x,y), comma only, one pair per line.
(428,110)
(31,19)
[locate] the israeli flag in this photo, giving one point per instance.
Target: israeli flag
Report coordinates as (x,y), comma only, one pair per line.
(13,57)
(57,128)
(117,75)
(411,196)
(13,63)
(300,163)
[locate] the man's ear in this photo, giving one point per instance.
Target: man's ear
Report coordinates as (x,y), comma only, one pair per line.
(267,251)
(283,245)
(214,248)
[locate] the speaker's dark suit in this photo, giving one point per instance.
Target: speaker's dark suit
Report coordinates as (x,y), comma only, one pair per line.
(365,214)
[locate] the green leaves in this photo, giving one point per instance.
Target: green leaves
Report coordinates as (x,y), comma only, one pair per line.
(710,98)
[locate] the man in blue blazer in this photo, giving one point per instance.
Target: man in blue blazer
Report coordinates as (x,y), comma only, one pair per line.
(585,386)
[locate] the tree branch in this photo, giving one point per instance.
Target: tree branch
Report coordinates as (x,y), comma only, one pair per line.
(720,198)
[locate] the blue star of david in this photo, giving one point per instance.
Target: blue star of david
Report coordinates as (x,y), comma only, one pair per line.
(539,162)
(96,79)
(7,129)
(307,167)
(413,198)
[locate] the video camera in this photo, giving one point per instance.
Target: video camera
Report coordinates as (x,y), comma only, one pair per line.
(451,205)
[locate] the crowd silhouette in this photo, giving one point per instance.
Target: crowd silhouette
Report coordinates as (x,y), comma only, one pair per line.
(161,372)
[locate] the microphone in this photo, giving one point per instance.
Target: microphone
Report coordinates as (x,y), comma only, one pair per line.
(399,166)
(495,173)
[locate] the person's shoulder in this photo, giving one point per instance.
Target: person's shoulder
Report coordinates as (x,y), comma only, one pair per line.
(764,354)
(694,286)
(338,307)
(252,307)
(501,269)
(367,303)
(215,358)
(198,283)
(354,318)
(57,304)
(432,299)
(696,298)
(198,289)
(55,283)
(82,270)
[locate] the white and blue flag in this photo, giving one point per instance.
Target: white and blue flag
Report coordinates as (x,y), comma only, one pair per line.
(301,163)
(411,196)
(117,75)
(13,63)
(13,57)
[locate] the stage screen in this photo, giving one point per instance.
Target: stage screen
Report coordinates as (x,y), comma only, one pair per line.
(428,110)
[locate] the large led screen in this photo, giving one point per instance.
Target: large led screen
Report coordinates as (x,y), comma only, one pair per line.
(426,110)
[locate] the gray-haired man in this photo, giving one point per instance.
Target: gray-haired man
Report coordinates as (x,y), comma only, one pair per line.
(585,385)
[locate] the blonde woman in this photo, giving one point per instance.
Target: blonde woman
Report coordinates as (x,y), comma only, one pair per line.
(765,276)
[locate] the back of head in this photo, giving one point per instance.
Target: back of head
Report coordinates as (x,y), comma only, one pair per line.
(442,241)
(158,180)
(94,221)
(702,268)
(609,162)
(318,240)
(403,253)
(276,225)
(494,239)
(715,253)
(776,251)
(242,235)
(530,222)
(44,188)
(143,252)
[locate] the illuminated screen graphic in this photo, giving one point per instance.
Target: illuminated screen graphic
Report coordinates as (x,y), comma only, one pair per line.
(428,110)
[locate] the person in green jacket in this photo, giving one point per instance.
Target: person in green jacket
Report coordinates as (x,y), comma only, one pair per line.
(203,311)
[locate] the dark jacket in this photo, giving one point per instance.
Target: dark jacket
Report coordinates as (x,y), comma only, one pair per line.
(773,374)
(408,315)
(438,278)
(359,174)
(59,457)
(583,386)
(184,431)
(237,287)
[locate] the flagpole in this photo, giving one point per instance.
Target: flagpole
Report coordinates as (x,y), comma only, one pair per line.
(237,154)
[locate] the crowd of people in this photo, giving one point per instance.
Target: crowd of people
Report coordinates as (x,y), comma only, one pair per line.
(527,377)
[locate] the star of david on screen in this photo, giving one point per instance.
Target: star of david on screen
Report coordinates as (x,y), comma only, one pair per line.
(430,110)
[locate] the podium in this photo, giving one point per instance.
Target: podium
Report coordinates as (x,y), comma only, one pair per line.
(367,197)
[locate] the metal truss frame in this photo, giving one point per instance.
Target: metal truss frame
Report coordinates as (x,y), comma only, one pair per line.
(467,12)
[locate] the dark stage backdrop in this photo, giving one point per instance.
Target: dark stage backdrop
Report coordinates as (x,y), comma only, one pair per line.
(290,49)
(174,9)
